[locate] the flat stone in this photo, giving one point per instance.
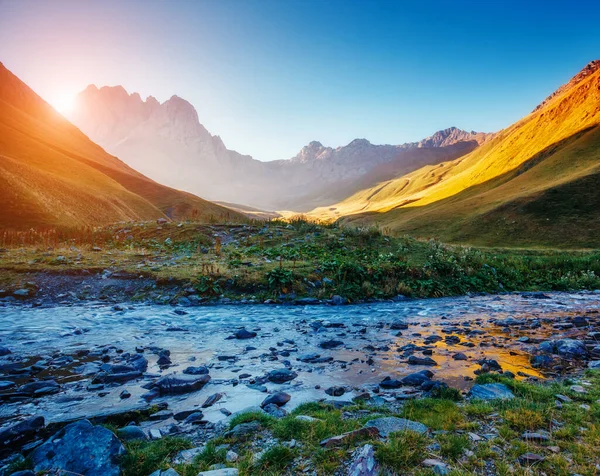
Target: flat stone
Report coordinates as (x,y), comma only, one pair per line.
(220,472)
(387,425)
(537,437)
(366,432)
(210,401)
(528,459)
(363,462)
(491,391)
(243,430)
(414,360)
(21,432)
(201,370)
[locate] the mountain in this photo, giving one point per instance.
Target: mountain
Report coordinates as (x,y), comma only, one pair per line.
(167,141)
(51,174)
(533,183)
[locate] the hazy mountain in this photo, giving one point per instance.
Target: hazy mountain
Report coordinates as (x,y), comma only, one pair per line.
(535,182)
(52,174)
(168,143)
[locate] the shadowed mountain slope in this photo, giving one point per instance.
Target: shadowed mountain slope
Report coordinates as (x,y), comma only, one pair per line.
(51,174)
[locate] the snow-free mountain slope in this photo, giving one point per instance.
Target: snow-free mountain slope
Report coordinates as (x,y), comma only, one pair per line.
(51,174)
(501,193)
(167,142)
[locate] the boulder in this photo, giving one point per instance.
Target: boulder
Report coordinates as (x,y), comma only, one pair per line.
(491,391)
(39,388)
(335,391)
(80,448)
(388,425)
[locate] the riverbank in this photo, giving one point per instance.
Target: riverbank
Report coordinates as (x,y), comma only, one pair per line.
(179,373)
(276,262)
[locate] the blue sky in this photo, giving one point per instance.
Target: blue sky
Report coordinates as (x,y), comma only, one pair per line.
(270,76)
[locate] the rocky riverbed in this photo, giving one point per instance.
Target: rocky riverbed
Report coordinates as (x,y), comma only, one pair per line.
(187,369)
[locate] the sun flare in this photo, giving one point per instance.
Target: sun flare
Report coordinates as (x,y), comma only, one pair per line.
(64,103)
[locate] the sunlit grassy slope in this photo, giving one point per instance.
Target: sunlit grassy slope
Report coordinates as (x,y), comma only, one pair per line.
(51,174)
(534,183)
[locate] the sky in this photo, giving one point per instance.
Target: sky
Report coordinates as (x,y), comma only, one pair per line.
(270,76)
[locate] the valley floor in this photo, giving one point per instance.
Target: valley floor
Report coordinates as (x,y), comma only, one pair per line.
(297,262)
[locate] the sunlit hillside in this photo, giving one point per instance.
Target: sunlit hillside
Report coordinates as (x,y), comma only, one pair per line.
(51,174)
(500,193)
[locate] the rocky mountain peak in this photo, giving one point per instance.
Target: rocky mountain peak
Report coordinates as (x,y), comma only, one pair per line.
(587,70)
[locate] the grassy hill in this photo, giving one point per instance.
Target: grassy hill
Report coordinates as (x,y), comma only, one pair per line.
(51,174)
(532,184)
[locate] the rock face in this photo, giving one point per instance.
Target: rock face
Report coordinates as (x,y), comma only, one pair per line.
(167,142)
(491,391)
(388,425)
(80,448)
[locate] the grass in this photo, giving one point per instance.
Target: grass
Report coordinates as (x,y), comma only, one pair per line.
(289,260)
(574,446)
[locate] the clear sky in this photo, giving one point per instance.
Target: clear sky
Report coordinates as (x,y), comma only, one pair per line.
(270,76)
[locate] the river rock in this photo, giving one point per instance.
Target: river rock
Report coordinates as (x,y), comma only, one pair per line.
(281,375)
(413,360)
(210,401)
(21,432)
(278,398)
(4,351)
(387,425)
(331,344)
(131,432)
(491,391)
(177,384)
(6,384)
(363,462)
(335,391)
(80,448)
(417,378)
(566,348)
(201,370)
(389,382)
(39,388)
(244,334)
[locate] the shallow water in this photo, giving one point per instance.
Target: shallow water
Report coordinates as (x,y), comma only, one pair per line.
(33,333)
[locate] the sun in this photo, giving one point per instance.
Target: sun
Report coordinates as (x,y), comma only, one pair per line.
(64,103)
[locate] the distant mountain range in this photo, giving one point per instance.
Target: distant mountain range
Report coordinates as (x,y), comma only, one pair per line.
(51,174)
(167,142)
(534,183)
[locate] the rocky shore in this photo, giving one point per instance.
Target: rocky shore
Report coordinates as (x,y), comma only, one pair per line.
(244,387)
